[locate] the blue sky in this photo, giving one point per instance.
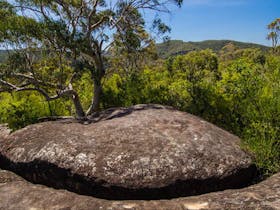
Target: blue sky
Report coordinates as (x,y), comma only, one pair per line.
(241,20)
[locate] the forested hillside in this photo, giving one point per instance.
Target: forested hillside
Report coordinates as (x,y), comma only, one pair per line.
(177,47)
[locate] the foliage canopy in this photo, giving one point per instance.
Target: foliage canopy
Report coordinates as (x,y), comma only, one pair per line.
(76,33)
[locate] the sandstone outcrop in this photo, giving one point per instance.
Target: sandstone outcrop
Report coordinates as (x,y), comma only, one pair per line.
(141,152)
(16,193)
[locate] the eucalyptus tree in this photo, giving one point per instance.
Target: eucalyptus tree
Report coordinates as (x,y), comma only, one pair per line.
(274,34)
(76,32)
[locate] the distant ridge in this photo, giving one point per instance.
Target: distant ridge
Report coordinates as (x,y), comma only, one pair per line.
(179,47)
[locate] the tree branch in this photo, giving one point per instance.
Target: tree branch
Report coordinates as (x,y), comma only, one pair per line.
(93,11)
(34,81)
(66,92)
(97,24)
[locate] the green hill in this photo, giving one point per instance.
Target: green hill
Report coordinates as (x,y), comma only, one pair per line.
(178,47)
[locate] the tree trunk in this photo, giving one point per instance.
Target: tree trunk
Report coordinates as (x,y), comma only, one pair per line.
(95,102)
(97,74)
(78,107)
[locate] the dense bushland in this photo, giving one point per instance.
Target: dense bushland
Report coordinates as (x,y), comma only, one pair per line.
(238,90)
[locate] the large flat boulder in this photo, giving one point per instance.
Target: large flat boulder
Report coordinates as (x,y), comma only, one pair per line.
(19,194)
(141,152)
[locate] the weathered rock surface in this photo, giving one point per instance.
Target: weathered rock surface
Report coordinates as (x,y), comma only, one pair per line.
(4,131)
(142,152)
(19,194)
